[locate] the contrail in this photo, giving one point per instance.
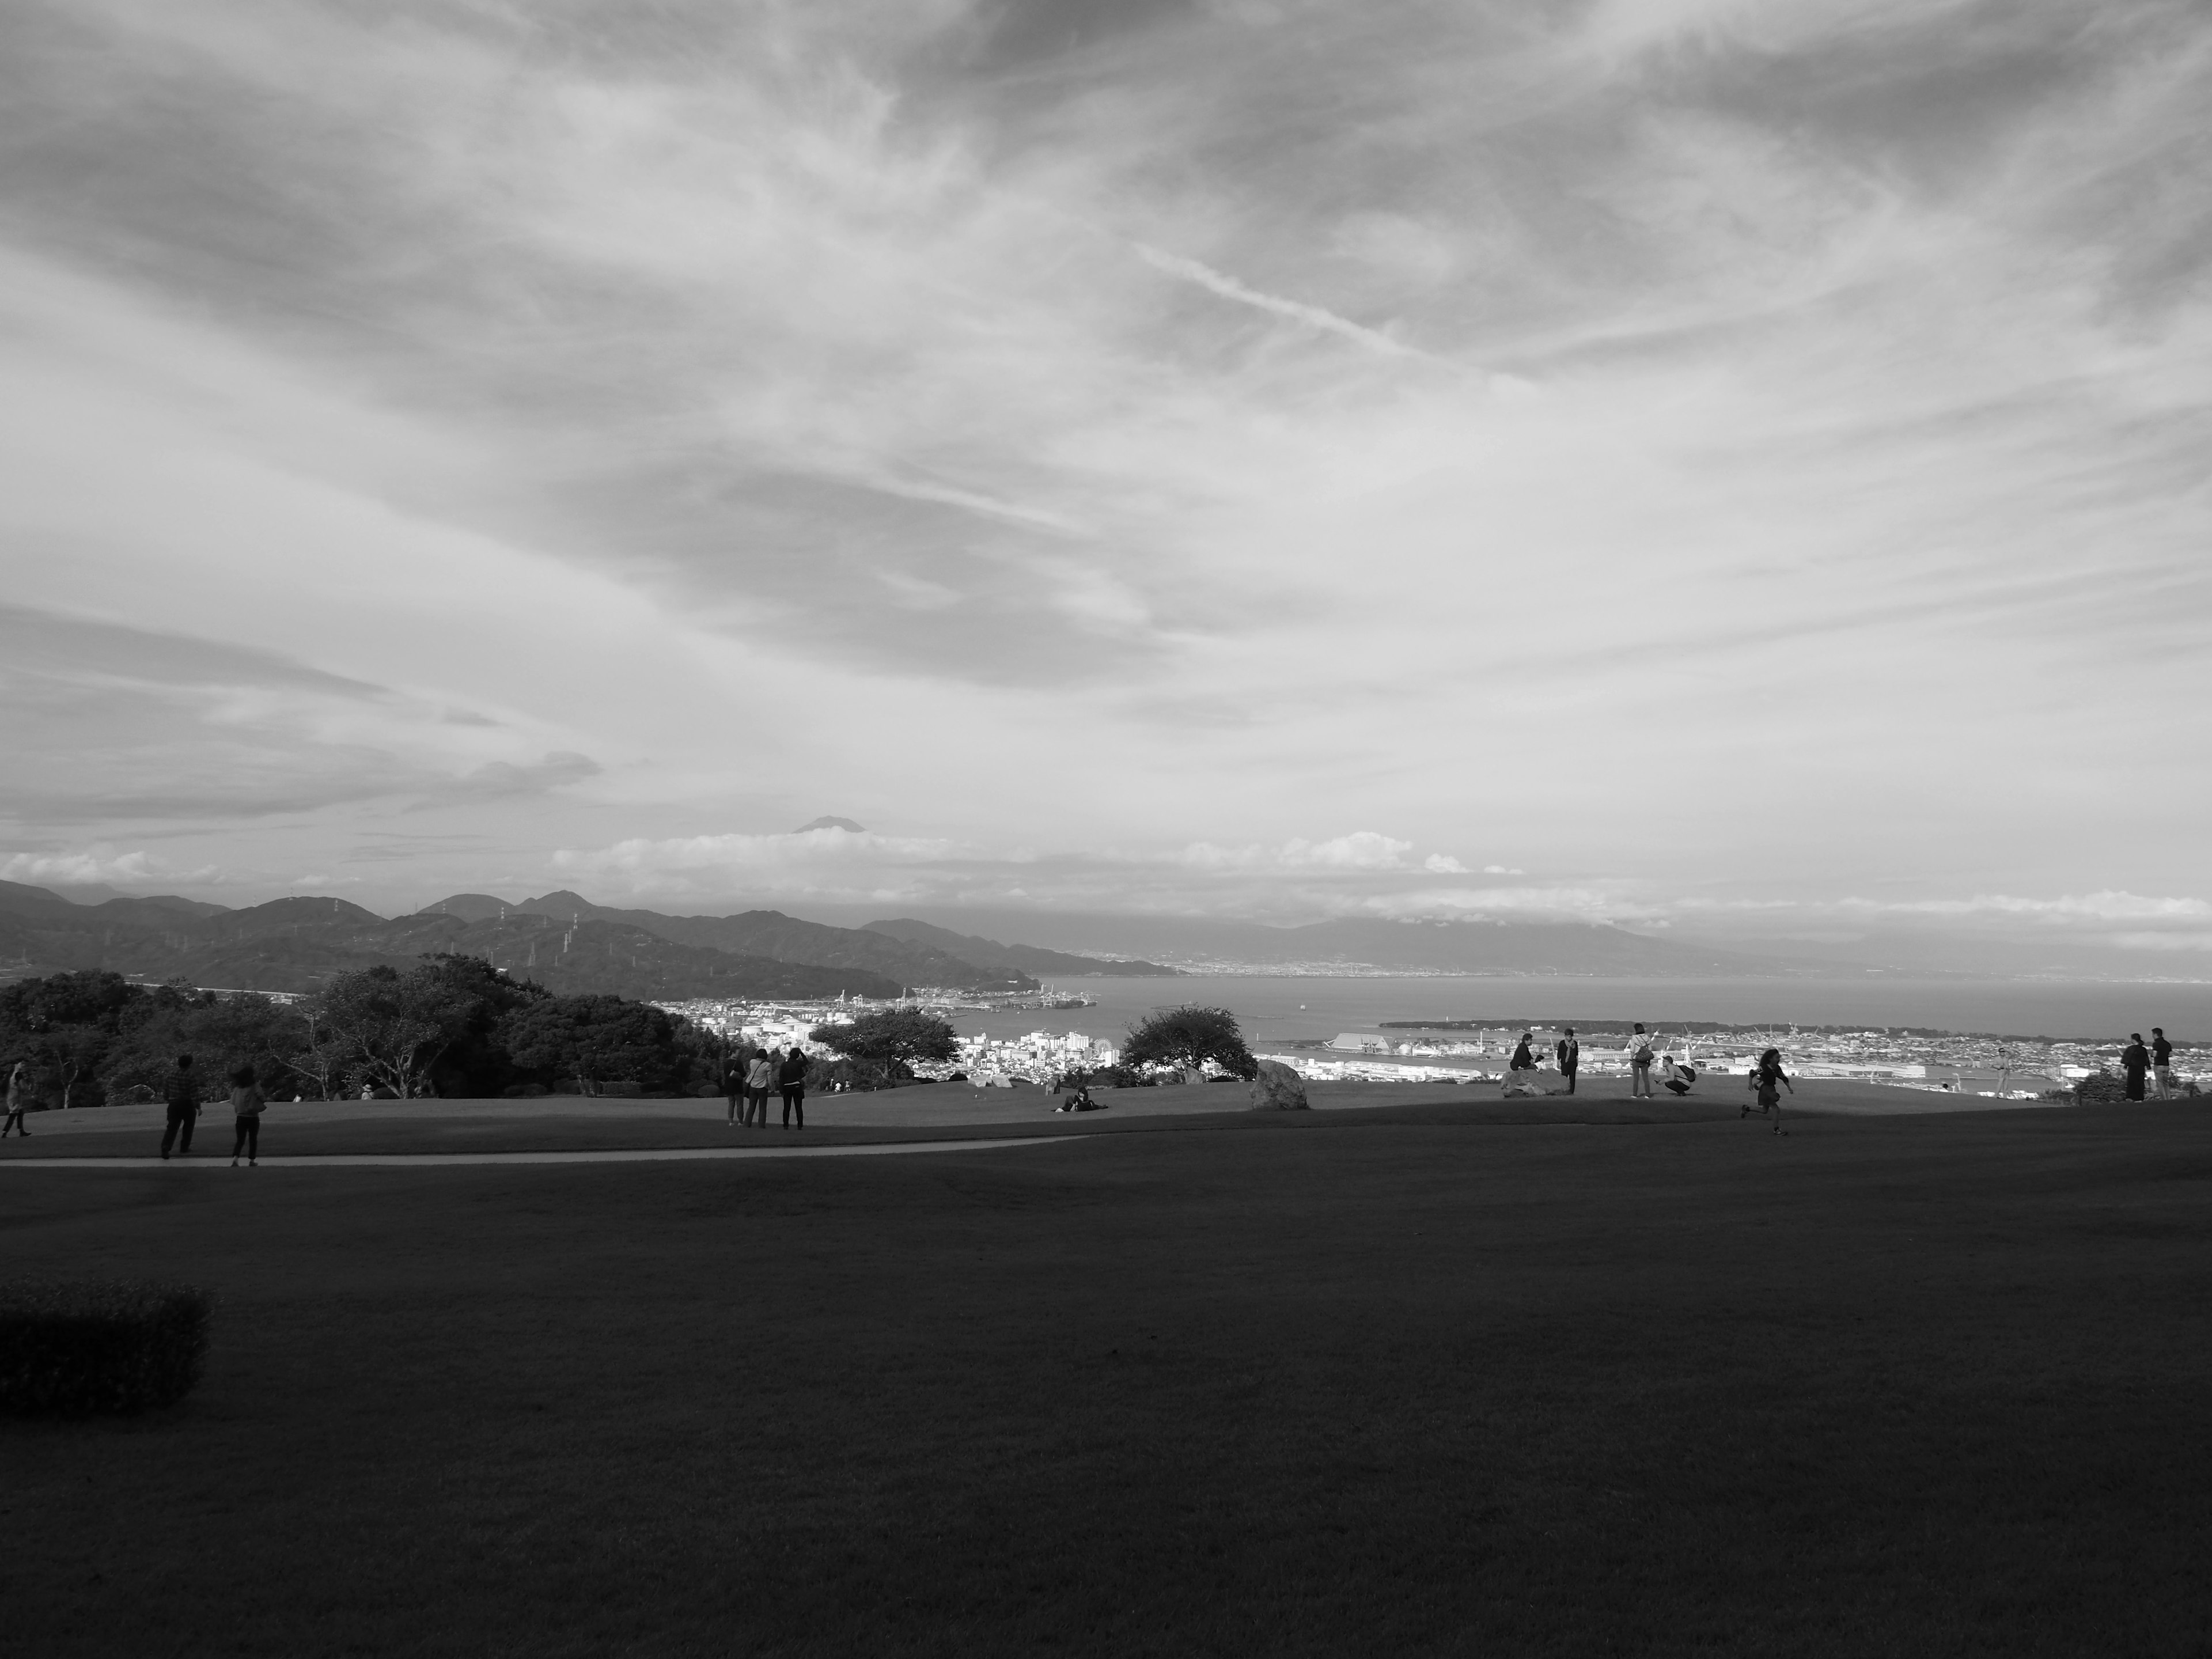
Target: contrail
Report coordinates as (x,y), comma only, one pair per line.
(1174,265)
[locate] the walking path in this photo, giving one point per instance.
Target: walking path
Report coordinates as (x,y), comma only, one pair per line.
(627,1155)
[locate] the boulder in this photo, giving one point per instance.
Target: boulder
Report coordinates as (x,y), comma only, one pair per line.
(1278,1088)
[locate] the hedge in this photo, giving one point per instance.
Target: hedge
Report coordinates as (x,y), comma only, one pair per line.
(102,1346)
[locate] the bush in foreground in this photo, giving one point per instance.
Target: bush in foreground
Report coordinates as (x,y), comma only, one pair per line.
(99,1347)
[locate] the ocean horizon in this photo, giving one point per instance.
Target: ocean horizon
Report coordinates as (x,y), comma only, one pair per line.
(1277,1007)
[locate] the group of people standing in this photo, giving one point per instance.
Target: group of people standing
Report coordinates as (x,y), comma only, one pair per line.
(180,1094)
(2152,1064)
(751,1075)
(1645,1056)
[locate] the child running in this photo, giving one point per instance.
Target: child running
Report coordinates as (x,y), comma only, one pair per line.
(1769,1079)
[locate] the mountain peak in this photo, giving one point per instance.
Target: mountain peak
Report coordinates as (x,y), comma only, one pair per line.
(846,825)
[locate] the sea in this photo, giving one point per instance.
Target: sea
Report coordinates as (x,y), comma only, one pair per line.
(1275,1008)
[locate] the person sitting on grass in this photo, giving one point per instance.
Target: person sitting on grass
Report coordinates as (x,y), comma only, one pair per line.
(1768,1080)
(1078,1097)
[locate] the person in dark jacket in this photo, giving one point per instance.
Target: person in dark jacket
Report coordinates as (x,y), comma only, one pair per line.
(1768,1080)
(2135,1060)
(180,1091)
(1570,1057)
(2161,1062)
(792,1076)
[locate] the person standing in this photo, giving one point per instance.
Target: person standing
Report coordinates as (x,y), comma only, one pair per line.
(1570,1057)
(180,1092)
(2135,1060)
(2161,1062)
(248,1101)
(733,1080)
(760,1082)
(1640,1056)
(791,1074)
(19,1100)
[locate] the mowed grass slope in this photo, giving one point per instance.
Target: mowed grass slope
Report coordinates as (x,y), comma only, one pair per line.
(1932,1385)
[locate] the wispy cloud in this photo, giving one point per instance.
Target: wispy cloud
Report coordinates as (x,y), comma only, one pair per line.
(1731,446)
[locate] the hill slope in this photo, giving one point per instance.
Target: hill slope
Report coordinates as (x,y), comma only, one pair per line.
(298,944)
(785,938)
(1014,959)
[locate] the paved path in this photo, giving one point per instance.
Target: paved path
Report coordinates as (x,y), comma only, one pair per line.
(631,1155)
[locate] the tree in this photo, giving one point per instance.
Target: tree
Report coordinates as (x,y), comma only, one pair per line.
(895,1037)
(393,1025)
(1187,1038)
(599,1039)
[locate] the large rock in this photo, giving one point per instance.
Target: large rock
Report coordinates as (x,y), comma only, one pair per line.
(1278,1088)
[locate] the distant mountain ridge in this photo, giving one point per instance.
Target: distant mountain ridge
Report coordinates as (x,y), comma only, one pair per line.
(298,944)
(777,937)
(1017,958)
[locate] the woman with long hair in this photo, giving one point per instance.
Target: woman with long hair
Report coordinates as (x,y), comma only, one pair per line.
(1768,1080)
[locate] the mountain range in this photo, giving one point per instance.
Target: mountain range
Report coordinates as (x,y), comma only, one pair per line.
(569,944)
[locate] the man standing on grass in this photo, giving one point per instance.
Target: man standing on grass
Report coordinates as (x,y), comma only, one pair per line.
(180,1090)
(2161,1062)
(791,1074)
(1570,1057)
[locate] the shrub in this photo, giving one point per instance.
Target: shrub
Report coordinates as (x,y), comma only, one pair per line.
(113,1347)
(2101,1088)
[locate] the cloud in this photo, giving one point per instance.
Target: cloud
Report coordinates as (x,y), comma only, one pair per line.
(1229,288)
(102,865)
(1764,427)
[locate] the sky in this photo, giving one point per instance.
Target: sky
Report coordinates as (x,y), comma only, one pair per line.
(1737,466)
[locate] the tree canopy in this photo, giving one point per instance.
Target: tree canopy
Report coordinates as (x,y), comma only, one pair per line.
(894,1036)
(450,1025)
(1188,1038)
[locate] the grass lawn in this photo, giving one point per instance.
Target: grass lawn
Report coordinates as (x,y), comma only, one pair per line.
(1391,1381)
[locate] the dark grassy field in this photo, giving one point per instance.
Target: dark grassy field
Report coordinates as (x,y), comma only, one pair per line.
(1381,1381)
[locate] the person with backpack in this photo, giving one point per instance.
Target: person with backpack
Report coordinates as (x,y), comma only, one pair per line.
(1767,1081)
(180,1092)
(760,1082)
(1570,1057)
(791,1074)
(248,1101)
(1640,1056)
(19,1099)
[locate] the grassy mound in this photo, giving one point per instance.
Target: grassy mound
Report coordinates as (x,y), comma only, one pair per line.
(112,1346)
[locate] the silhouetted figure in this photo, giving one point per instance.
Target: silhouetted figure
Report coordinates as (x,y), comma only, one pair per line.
(1640,1056)
(248,1102)
(180,1090)
(791,1074)
(1570,1057)
(19,1100)
(1767,1081)
(2134,1059)
(2161,1062)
